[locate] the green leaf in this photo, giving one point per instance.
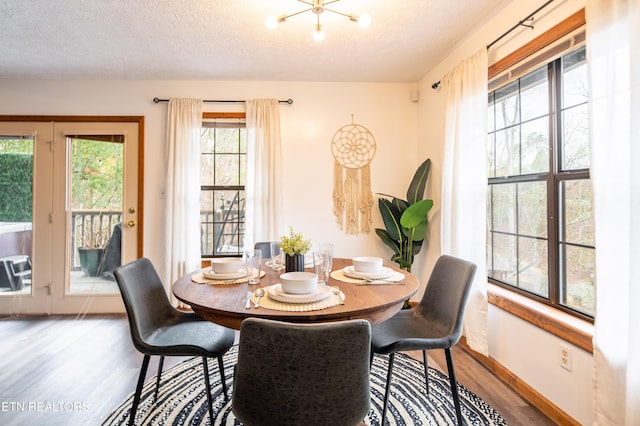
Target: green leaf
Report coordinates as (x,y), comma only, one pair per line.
(416,214)
(391,218)
(384,236)
(419,182)
(401,205)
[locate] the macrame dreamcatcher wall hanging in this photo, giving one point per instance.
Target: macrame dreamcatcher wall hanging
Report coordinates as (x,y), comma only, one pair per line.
(353,147)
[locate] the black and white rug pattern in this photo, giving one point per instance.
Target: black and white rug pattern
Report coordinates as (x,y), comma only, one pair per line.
(182,399)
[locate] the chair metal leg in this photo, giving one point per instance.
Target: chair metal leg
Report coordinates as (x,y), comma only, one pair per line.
(454,385)
(136,397)
(155,395)
(222,377)
(387,389)
(426,371)
(205,367)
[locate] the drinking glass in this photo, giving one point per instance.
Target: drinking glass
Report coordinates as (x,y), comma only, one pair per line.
(277,256)
(328,247)
(322,265)
(253,265)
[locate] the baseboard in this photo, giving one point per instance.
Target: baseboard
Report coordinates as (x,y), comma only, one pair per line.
(528,393)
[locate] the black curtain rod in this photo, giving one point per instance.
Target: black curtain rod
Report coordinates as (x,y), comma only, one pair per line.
(157,100)
(520,23)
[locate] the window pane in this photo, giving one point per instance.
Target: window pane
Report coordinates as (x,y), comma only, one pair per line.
(534,94)
(578,212)
(575,81)
(504,259)
(507,106)
(535,146)
(490,114)
(575,138)
(504,208)
(508,152)
(16,214)
(532,209)
(96,203)
(491,163)
(227,140)
(533,266)
(579,288)
(227,170)
(229,222)
(207,140)
(207,212)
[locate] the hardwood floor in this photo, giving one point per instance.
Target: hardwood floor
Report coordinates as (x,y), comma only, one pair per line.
(63,370)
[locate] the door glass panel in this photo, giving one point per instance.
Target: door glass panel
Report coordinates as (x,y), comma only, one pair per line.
(16,214)
(96,206)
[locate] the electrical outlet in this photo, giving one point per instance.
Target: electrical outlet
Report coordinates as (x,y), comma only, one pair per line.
(566,358)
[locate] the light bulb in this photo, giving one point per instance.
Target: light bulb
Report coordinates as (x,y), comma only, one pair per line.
(271,22)
(364,21)
(318,33)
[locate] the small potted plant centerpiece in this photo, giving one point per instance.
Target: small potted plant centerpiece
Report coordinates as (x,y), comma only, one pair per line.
(294,247)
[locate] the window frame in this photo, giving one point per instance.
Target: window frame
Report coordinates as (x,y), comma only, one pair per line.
(526,56)
(212,188)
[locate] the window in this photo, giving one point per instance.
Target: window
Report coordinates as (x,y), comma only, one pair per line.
(540,223)
(222,173)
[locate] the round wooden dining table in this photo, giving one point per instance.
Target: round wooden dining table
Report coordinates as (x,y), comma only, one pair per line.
(225,304)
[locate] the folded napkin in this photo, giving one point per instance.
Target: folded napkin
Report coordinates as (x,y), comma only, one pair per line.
(199,278)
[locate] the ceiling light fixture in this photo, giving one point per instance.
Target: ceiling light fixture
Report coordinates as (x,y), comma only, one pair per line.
(318,7)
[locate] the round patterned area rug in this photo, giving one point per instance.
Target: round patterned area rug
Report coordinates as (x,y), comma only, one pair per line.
(182,400)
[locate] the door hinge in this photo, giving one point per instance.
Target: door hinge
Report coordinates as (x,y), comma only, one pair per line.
(50,217)
(48,287)
(50,145)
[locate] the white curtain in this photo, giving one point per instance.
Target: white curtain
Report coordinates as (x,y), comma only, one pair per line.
(263,188)
(613,55)
(182,196)
(464,184)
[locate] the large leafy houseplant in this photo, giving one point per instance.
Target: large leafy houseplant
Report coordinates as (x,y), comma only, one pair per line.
(406,221)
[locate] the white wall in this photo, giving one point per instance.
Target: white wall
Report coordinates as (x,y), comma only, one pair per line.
(308,126)
(527,351)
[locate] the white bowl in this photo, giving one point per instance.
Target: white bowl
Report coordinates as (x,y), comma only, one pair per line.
(298,282)
(225,265)
(367,264)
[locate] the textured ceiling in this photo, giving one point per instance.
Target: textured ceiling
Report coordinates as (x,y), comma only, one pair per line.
(227,39)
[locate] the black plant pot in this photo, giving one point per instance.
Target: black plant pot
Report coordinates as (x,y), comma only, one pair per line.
(294,263)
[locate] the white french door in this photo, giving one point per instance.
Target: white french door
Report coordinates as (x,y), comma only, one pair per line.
(83,204)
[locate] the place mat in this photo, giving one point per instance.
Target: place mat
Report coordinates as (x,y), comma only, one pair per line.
(268,303)
(201,279)
(340,276)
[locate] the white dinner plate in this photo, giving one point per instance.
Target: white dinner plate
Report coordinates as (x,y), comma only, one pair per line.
(383,273)
(208,273)
(320,293)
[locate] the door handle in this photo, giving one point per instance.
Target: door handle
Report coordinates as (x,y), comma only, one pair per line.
(131,223)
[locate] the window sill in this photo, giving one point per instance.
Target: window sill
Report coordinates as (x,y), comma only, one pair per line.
(574,330)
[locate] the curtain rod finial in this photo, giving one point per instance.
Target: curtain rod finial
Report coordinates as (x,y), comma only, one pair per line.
(435,85)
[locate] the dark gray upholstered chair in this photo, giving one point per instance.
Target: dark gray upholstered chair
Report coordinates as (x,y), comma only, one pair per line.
(435,323)
(302,374)
(265,247)
(157,328)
